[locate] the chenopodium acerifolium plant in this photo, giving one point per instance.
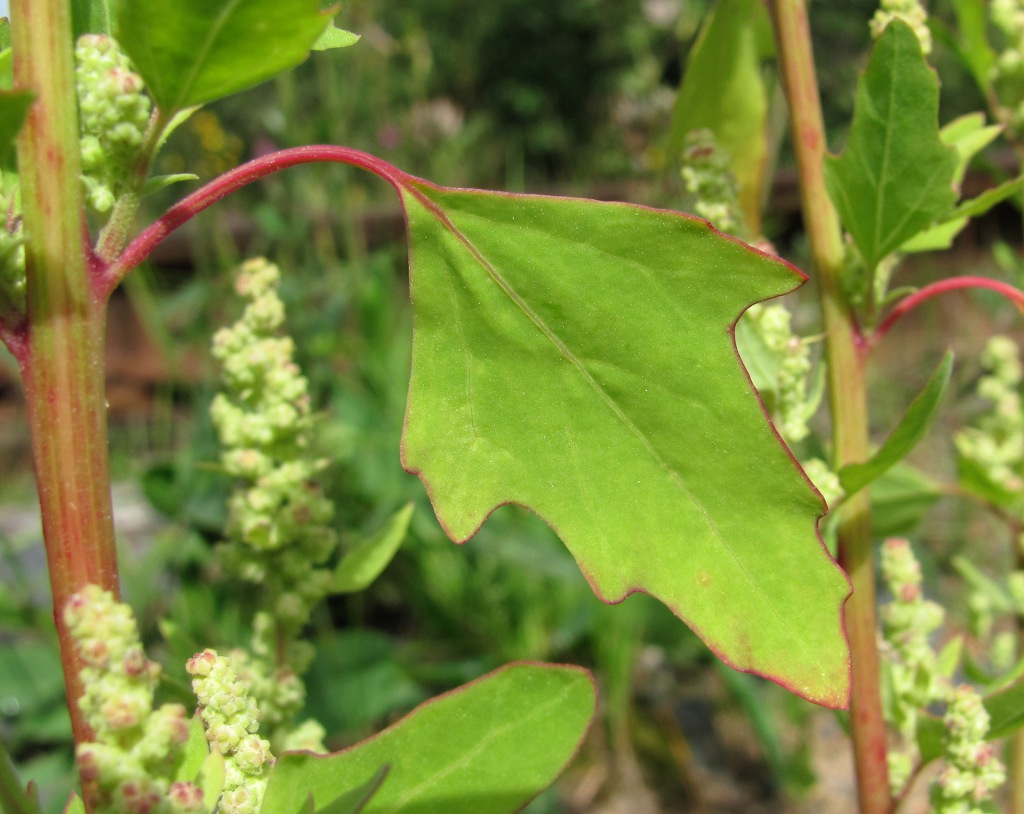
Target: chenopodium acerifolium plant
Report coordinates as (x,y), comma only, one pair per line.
(916,677)
(278,529)
(129,766)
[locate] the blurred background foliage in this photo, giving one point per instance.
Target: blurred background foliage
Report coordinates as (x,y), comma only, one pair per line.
(569,96)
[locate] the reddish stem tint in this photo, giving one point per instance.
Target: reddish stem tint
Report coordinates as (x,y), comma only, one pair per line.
(904,306)
(139,249)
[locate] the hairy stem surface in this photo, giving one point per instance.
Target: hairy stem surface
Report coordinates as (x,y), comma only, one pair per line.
(62,360)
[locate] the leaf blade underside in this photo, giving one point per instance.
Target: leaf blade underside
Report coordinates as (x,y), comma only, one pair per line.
(577,358)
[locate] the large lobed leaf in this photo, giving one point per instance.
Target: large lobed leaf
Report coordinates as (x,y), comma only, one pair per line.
(486,748)
(199,50)
(577,358)
(896,175)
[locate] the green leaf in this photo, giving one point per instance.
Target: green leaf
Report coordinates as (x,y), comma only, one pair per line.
(195,751)
(158,182)
(14,799)
(972,24)
(895,176)
(723,90)
(75,805)
(935,238)
(900,498)
(906,435)
(208,49)
(210,779)
(1006,711)
(987,199)
(13,110)
(91,17)
(6,61)
(334,37)
(969,135)
(576,358)
(486,748)
(364,562)
(355,801)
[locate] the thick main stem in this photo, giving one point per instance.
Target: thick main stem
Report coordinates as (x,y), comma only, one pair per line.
(62,361)
(847,398)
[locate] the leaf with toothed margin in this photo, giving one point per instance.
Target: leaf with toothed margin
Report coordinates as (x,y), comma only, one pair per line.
(577,358)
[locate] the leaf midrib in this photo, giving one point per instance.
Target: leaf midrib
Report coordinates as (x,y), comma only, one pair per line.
(442,217)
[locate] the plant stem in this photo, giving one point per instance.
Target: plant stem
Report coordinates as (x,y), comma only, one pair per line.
(62,362)
(1015,295)
(845,352)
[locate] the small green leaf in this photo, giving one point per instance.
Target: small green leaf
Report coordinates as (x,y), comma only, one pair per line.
(987,199)
(576,358)
(935,238)
(900,498)
(91,17)
(972,25)
(6,69)
(5,33)
(208,49)
(906,435)
(724,91)
(13,110)
(158,182)
(210,779)
(334,37)
(1006,711)
(364,562)
(487,748)
(14,799)
(969,135)
(895,176)
(195,752)
(75,805)
(974,478)
(931,737)
(949,657)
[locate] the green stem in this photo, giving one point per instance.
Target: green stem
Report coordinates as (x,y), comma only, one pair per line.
(62,363)
(845,353)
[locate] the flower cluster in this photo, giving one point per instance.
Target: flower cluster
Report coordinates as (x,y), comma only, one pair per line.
(231,719)
(278,688)
(790,354)
(129,767)
(278,518)
(114,114)
(909,11)
(709,181)
(972,770)
(1007,74)
(916,681)
(996,445)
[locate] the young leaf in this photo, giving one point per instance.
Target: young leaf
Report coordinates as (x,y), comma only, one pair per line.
(13,110)
(486,748)
(969,135)
(577,358)
(363,563)
(74,805)
(207,49)
(334,37)
(1006,711)
(972,23)
(895,176)
(906,435)
(14,799)
(723,90)
(91,17)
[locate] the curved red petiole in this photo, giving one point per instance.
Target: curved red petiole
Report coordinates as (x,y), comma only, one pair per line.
(139,249)
(904,306)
